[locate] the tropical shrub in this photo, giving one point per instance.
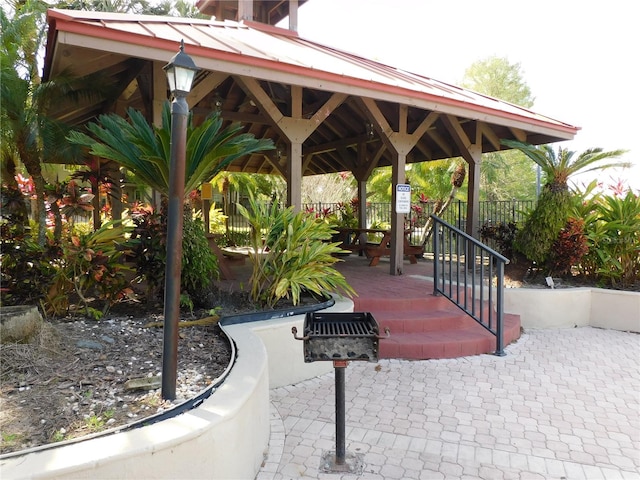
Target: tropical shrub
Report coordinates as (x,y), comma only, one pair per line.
(615,240)
(541,229)
(500,235)
(28,270)
(291,255)
(147,247)
(199,263)
(147,250)
(91,267)
(569,248)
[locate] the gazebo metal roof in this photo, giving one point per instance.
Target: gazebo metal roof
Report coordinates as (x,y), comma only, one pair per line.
(252,71)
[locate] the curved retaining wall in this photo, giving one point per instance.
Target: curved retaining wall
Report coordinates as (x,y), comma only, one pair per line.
(224,438)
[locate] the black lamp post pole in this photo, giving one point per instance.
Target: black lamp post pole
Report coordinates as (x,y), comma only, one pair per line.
(179,113)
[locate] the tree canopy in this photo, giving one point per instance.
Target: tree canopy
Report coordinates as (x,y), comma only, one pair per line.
(503,175)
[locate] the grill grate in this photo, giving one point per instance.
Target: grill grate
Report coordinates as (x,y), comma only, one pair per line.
(332,329)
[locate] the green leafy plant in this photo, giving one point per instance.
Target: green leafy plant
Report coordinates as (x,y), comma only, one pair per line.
(199,263)
(91,266)
(501,235)
(345,214)
(96,423)
(292,255)
(147,247)
(616,239)
(28,270)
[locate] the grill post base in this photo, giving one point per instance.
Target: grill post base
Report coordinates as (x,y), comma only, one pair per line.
(353,463)
(340,461)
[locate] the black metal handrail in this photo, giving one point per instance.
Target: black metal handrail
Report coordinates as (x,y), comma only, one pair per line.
(470,285)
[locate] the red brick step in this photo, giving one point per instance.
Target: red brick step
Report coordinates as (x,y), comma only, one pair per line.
(431,327)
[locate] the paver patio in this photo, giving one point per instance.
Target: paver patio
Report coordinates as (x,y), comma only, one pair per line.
(563,404)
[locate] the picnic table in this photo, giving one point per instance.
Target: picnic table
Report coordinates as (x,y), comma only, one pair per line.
(225,258)
(384,248)
(356,239)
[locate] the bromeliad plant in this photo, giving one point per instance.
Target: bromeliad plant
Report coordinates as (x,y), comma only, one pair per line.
(291,255)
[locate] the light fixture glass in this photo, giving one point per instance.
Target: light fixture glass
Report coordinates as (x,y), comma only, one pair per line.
(181,70)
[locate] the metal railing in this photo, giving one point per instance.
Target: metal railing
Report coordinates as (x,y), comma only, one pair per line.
(476,287)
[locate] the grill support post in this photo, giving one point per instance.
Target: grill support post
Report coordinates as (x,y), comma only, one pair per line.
(340,367)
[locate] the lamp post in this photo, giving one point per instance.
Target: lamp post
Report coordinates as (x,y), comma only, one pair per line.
(180,73)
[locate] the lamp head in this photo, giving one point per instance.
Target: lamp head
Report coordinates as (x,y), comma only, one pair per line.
(181,70)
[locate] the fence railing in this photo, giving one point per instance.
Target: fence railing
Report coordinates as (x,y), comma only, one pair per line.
(464,270)
(379,215)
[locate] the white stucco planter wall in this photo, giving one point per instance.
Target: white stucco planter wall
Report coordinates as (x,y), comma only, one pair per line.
(615,309)
(574,307)
(224,438)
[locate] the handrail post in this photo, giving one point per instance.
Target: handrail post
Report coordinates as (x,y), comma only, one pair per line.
(435,233)
(500,311)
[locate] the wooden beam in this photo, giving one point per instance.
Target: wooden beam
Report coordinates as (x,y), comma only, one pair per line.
(205,86)
(459,136)
(489,134)
(159,92)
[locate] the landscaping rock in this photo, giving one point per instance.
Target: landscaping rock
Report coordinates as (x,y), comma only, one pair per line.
(19,324)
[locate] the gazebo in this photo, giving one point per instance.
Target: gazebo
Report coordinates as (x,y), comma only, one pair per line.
(326,110)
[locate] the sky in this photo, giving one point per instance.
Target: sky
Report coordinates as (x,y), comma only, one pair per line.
(580,58)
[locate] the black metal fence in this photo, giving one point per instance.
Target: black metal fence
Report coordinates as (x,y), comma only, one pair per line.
(379,216)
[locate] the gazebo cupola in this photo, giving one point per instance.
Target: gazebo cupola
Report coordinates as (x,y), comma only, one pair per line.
(269,12)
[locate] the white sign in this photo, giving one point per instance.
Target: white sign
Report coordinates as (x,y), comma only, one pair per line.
(403,198)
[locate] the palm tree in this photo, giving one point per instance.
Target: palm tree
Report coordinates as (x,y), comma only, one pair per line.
(442,180)
(20,108)
(144,149)
(29,134)
(545,222)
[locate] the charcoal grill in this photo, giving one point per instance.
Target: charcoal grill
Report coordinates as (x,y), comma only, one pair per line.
(340,337)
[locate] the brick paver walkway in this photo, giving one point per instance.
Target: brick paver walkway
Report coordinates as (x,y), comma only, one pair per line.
(563,404)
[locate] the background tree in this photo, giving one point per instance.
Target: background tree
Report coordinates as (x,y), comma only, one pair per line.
(550,216)
(180,8)
(328,188)
(503,175)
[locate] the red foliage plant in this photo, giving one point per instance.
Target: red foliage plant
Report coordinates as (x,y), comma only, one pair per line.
(569,247)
